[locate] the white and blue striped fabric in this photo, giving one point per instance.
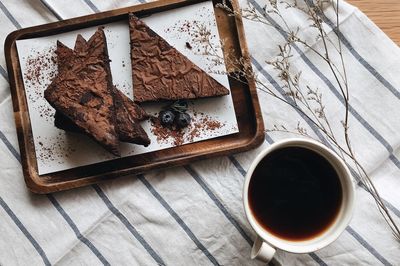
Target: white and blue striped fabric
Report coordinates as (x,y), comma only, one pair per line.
(193,215)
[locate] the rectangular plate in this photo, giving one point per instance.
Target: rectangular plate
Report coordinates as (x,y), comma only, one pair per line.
(248,113)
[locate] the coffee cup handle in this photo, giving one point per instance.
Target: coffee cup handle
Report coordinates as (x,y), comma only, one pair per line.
(262,251)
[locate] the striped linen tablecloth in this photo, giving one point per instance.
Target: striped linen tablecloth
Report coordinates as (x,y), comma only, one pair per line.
(193,215)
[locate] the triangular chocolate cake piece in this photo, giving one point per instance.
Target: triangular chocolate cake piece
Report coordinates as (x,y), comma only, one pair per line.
(67,57)
(83,92)
(128,116)
(127,112)
(160,72)
(128,128)
(81,45)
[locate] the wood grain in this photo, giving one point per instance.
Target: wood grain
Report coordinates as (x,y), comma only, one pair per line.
(384,13)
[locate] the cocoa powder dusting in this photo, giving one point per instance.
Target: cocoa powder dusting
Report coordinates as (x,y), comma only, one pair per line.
(40,67)
(40,70)
(197,36)
(165,134)
(52,149)
(201,125)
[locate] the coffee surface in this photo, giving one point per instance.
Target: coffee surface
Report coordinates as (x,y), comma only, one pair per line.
(295,193)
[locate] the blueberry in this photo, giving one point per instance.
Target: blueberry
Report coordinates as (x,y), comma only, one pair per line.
(166,118)
(182,120)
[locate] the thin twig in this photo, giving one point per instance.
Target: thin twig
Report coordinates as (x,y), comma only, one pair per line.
(306,100)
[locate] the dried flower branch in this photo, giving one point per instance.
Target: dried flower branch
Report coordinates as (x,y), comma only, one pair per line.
(304,98)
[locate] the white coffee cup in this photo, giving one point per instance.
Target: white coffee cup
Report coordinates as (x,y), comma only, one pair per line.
(266,243)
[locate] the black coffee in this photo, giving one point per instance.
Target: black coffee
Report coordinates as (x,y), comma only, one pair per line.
(295,193)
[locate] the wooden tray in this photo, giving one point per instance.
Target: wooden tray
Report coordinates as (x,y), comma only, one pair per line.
(251,128)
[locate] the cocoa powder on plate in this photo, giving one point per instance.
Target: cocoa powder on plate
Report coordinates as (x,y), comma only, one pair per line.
(201,124)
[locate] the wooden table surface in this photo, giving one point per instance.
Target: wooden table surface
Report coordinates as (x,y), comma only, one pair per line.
(385,14)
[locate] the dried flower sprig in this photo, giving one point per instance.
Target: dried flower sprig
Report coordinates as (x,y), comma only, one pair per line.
(307,100)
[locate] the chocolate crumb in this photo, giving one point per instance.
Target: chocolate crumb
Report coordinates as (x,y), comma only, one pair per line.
(188,46)
(200,125)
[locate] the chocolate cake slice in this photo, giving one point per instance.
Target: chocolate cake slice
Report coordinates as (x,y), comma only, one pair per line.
(83,92)
(127,112)
(63,122)
(128,115)
(81,45)
(160,72)
(128,128)
(66,57)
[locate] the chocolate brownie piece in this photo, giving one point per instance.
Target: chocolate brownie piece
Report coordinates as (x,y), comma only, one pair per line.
(83,93)
(81,45)
(160,72)
(63,122)
(127,112)
(63,52)
(66,58)
(136,112)
(128,128)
